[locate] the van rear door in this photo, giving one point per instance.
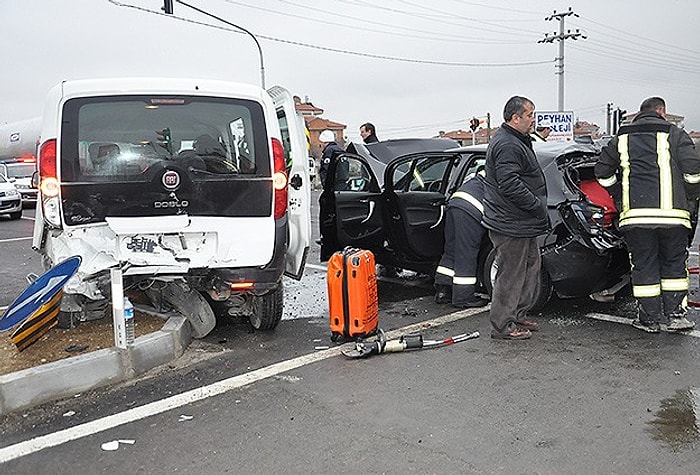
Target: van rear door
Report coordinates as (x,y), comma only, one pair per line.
(293,129)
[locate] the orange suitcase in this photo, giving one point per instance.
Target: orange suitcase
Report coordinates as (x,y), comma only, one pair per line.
(352,294)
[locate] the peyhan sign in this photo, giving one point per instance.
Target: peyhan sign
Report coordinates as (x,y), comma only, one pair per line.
(561,125)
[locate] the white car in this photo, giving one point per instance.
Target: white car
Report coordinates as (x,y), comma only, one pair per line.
(20,173)
(10,199)
(182,184)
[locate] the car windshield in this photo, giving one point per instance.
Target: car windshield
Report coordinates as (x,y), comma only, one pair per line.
(18,170)
(125,136)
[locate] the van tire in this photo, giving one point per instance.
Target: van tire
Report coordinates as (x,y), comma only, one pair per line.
(544,290)
(267,309)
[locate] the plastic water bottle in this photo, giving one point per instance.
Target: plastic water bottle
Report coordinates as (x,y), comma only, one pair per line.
(129,320)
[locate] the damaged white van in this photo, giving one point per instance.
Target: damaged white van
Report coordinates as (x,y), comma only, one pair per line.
(198,190)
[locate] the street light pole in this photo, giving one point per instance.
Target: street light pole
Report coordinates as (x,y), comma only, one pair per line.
(168,8)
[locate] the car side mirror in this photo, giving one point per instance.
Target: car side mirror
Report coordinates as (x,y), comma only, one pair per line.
(35,180)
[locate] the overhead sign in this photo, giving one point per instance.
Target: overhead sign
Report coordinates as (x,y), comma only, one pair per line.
(561,125)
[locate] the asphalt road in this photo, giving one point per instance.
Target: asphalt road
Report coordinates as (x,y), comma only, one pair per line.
(584,395)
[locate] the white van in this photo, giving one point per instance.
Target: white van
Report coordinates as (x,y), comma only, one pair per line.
(198,190)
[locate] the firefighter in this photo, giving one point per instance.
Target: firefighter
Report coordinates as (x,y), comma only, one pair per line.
(652,169)
(455,276)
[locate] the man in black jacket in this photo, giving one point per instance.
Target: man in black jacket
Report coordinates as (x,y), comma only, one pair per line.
(515,213)
(368,133)
(652,169)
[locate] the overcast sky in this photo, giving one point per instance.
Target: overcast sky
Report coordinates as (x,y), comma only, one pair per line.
(411,67)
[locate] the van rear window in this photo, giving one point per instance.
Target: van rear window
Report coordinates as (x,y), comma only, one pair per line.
(125,136)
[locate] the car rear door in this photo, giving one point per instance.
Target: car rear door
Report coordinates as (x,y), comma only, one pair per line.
(351,207)
(415,189)
(294,141)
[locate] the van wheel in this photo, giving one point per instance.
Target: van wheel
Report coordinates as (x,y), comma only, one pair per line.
(544,290)
(16,215)
(186,301)
(267,309)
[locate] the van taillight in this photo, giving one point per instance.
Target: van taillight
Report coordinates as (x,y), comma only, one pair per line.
(48,184)
(279,179)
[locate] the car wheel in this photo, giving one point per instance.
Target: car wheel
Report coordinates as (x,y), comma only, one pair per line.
(544,290)
(267,309)
(16,215)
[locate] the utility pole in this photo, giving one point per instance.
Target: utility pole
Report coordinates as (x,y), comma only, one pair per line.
(569,35)
(168,9)
(607,117)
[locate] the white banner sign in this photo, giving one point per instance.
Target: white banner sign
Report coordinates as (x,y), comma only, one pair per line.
(561,125)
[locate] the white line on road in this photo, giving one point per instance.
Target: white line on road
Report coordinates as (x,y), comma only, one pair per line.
(391,280)
(626,321)
(156,407)
(15,239)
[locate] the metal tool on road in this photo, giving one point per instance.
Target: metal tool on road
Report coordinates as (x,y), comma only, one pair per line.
(409,342)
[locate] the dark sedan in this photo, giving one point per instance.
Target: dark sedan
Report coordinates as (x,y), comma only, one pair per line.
(395,207)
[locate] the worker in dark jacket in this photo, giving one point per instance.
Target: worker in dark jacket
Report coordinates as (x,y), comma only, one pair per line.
(330,150)
(455,276)
(652,169)
(515,213)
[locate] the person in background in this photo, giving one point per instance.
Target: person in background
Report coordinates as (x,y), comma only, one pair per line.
(541,133)
(515,213)
(652,169)
(330,149)
(368,133)
(455,276)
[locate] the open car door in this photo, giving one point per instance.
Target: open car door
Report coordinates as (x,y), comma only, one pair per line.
(351,207)
(296,151)
(415,196)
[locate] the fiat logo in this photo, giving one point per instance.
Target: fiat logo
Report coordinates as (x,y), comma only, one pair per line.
(171,179)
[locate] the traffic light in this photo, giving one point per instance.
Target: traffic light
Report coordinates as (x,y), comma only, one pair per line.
(168,6)
(621,116)
(164,139)
(474,124)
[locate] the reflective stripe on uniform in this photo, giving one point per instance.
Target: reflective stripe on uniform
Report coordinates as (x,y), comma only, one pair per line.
(463,195)
(666,217)
(607,182)
(464,281)
(674,285)
(693,179)
(625,165)
(663,159)
(641,291)
(445,271)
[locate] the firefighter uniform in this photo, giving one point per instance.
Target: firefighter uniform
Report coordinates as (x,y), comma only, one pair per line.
(652,170)
(463,235)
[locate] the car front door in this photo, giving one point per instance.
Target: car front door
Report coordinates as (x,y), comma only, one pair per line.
(351,207)
(415,187)
(293,132)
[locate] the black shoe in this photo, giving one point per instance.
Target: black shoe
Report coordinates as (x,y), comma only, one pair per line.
(651,327)
(443,294)
(473,303)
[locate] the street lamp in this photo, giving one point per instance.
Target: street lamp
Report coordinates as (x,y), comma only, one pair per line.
(168,8)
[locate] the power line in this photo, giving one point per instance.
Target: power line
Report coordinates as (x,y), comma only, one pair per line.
(337,50)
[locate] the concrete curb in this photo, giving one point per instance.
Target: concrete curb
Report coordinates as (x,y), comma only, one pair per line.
(33,386)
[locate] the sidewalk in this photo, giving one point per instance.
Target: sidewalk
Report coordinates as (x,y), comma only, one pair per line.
(33,386)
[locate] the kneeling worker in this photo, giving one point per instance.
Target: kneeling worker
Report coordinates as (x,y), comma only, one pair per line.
(455,276)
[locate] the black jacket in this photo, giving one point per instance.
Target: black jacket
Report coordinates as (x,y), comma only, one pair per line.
(329,152)
(515,198)
(469,197)
(653,171)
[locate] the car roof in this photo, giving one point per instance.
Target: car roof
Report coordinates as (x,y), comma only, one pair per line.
(387,150)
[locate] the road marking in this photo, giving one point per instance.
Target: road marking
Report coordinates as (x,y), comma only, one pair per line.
(157,407)
(628,321)
(15,239)
(391,280)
